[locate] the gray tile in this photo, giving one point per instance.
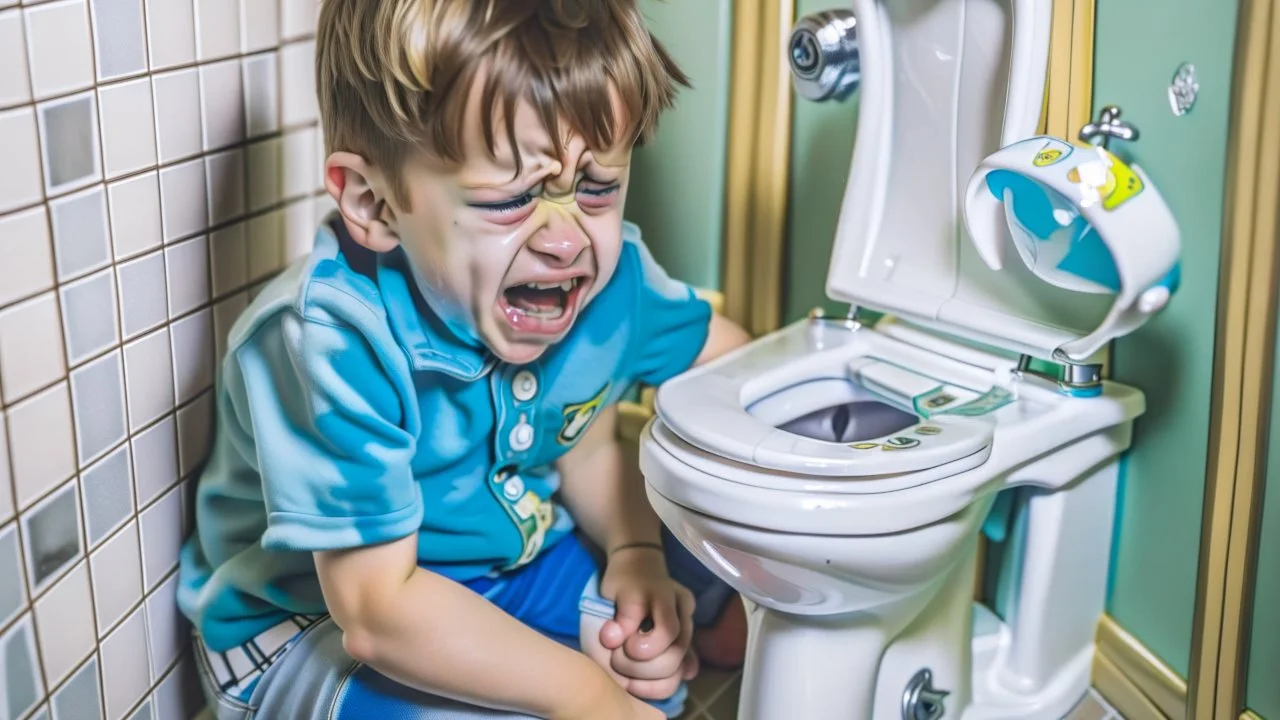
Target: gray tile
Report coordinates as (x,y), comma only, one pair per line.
(52,534)
(148,378)
(195,423)
(69,135)
(161,526)
(80,698)
(142,293)
(184,200)
(108,497)
(89,316)
(97,401)
(188,270)
(724,706)
(155,453)
(42,715)
(167,629)
(222,102)
(18,670)
(179,694)
(12,593)
(229,258)
(261,94)
(224,178)
(193,354)
(120,44)
(178,125)
(80,240)
(143,712)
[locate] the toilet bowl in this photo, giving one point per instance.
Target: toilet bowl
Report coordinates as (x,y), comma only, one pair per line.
(839,474)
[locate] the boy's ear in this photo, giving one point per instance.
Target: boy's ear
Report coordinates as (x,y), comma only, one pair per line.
(357,188)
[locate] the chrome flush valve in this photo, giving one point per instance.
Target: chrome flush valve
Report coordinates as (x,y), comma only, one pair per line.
(824,55)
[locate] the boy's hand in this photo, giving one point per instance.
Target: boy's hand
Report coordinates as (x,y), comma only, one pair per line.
(650,634)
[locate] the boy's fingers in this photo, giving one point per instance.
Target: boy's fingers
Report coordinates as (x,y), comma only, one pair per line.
(655,689)
(665,630)
(668,663)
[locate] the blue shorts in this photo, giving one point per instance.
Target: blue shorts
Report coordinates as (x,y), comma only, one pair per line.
(300,671)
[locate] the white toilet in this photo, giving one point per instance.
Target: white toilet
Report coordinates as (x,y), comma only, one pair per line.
(838,475)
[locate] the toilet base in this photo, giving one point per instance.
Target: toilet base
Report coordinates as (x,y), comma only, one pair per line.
(813,674)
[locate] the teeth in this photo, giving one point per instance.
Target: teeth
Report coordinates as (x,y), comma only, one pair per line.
(566,286)
(549,314)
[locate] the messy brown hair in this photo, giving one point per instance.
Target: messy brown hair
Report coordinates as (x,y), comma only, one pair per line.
(394,75)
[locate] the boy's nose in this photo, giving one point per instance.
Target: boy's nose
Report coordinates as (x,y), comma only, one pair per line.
(560,241)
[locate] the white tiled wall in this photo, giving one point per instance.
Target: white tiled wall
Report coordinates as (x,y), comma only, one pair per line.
(161,160)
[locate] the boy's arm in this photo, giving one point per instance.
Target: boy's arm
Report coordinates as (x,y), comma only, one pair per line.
(723,336)
(430,633)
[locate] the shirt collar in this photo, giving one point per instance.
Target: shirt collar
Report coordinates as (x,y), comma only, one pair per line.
(430,341)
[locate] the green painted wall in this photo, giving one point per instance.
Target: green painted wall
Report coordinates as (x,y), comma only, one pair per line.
(677,181)
(1139,46)
(1262,693)
(821,148)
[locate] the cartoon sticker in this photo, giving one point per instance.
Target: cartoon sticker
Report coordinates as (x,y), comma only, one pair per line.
(1108,179)
(578,417)
(893,443)
(1053,151)
(531,515)
(928,430)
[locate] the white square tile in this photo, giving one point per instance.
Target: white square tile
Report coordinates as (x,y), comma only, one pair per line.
(126,674)
(135,214)
(195,423)
(262,94)
(192,339)
(188,270)
(128,128)
(228,258)
(116,570)
(30,347)
(264,174)
(40,443)
(178,126)
(97,399)
(52,537)
(217,28)
(156,450)
(120,38)
(166,627)
(225,314)
(178,695)
(148,365)
(143,301)
(161,537)
(80,233)
(183,200)
(69,139)
(21,183)
(13,584)
(324,207)
(23,686)
(259,25)
(298,18)
(89,316)
(298,84)
(59,48)
(171,30)
(6,495)
(299,162)
(299,229)
(266,244)
(225,178)
(222,104)
(64,624)
(28,254)
(15,88)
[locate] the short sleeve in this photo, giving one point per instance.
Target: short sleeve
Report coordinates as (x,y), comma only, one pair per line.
(671,322)
(331,435)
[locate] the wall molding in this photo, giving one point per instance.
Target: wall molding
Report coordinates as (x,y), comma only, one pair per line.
(1124,666)
(1243,362)
(758,163)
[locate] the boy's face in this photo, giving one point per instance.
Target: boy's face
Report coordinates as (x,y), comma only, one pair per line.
(515,258)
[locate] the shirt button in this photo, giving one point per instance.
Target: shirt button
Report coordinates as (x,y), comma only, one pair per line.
(513,488)
(522,436)
(524,386)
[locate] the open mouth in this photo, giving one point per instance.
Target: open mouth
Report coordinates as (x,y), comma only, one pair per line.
(541,307)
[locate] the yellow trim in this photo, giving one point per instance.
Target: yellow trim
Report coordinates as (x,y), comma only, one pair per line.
(757,171)
(1122,693)
(1243,371)
(1141,669)
(1068,95)
(1250,715)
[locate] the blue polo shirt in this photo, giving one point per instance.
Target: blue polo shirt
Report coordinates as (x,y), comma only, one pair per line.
(349,414)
